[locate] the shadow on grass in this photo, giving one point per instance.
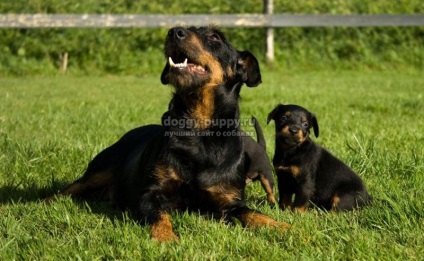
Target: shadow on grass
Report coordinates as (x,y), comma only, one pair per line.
(10,195)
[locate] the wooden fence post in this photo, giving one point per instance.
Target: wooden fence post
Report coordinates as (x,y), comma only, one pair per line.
(269,53)
(64,64)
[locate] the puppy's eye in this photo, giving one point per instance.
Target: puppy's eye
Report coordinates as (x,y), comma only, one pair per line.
(284,118)
(305,124)
(214,37)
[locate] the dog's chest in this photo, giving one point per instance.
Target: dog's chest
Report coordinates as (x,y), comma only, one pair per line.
(210,174)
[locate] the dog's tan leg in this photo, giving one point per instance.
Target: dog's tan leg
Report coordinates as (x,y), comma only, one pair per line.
(268,189)
(285,200)
(99,181)
(254,219)
(161,230)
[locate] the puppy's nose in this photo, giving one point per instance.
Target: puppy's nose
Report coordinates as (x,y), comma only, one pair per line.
(294,130)
(178,33)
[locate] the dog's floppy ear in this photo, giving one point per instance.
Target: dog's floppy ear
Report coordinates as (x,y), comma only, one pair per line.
(271,115)
(314,122)
(163,77)
(248,69)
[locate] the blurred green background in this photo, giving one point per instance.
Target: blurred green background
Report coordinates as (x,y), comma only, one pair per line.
(139,51)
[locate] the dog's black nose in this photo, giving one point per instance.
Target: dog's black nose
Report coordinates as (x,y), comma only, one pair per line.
(293,130)
(178,33)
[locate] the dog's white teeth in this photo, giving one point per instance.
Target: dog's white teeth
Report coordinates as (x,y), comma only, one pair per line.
(178,65)
(171,62)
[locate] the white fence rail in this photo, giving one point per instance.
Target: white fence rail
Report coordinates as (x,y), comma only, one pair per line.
(229,20)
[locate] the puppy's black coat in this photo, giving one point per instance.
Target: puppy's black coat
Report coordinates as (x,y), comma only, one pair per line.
(258,163)
(195,164)
(308,171)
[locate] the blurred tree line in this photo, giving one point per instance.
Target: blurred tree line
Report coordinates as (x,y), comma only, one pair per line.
(139,50)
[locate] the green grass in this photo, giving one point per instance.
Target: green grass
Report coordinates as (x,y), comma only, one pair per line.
(50,127)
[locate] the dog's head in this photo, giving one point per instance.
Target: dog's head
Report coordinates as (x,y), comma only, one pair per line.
(199,57)
(293,124)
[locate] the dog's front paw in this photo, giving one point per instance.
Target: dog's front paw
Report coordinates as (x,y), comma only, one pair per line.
(301,209)
(164,236)
(162,231)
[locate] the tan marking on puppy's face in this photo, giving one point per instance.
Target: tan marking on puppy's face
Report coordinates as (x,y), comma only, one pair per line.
(285,131)
(291,132)
(301,136)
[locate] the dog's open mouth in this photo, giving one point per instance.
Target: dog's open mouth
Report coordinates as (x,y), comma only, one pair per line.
(187,66)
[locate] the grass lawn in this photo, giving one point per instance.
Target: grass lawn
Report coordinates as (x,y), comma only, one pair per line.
(50,127)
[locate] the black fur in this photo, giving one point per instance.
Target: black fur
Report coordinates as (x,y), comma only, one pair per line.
(259,166)
(189,162)
(308,171)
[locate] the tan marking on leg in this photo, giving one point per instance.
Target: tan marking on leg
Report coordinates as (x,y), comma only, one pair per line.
(267,186)
(92,182)
(166,174)
(224,195)
(254,219)
(335,201)
(161,230)
(301,209)
(285,201)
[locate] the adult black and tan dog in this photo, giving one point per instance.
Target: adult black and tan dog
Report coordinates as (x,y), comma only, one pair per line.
(196,161)
(308,171)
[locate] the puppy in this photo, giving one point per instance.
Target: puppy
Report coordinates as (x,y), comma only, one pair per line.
(258,163)
(308,171)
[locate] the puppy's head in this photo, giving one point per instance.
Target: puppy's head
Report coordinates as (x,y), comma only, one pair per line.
(293,124)
(201,57)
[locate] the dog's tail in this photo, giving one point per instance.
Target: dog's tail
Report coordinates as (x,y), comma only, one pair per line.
(260,139)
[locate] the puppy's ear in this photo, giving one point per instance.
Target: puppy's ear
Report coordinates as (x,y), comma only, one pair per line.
(163,78)
(314,122)
(271,115)
(248,69)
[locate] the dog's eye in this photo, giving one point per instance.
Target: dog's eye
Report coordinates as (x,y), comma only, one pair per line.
(214,37)
(305,124)
(284,118)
